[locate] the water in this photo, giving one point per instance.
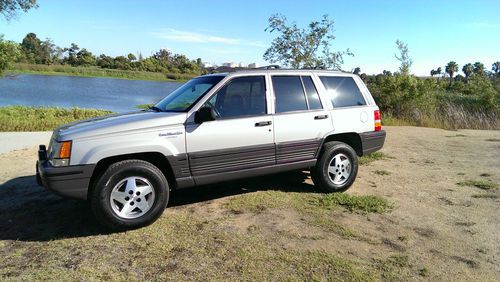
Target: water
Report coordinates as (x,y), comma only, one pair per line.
(118,95)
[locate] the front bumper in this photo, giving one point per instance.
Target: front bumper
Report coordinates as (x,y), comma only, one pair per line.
(68,181)
(372,141)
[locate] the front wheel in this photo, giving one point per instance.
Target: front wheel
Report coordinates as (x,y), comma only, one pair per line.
(130,194)
(336,168)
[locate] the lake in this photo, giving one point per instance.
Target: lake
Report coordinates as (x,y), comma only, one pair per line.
(118,95)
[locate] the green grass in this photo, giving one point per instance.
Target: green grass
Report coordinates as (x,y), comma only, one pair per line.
(21,118)
(260,201)
(375,156)
(481,184)
(144,106)
(382,172)
(98,72)
(485,196)
(354,203)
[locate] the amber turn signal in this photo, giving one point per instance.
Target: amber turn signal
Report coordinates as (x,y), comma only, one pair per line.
(65,151)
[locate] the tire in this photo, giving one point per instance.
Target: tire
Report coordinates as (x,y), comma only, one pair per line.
(116,198)
(342,173)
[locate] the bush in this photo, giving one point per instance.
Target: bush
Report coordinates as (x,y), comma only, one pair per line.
(429,102)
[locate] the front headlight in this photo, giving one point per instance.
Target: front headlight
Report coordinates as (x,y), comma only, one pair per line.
(60,153)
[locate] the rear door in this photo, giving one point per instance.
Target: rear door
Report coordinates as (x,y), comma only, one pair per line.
(300,118)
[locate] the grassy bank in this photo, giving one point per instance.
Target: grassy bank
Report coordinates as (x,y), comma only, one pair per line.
(98,72)
(21,118)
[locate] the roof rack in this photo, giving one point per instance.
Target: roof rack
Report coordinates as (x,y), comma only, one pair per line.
(270,67)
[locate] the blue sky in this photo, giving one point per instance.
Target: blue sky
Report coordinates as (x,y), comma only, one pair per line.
(223,31)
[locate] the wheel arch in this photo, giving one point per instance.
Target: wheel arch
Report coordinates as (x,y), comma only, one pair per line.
(350,138)
(156,158)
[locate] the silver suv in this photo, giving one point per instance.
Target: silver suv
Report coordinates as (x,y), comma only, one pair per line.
(214,128)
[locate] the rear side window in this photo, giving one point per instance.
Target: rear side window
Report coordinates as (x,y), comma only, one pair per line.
(289,94)
(343,91)
(295,93)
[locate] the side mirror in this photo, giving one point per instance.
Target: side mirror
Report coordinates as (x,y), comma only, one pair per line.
(204,114)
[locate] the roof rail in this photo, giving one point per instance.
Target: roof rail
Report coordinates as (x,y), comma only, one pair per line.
(270,67)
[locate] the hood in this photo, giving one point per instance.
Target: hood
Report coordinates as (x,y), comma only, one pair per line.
(119,124)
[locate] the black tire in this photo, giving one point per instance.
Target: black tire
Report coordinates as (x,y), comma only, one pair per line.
(101,193)
(320,174)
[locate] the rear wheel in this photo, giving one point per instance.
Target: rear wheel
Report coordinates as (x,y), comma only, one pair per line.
(130,194)
(336,168)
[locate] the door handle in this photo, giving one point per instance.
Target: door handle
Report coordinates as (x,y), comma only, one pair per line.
(263,123)
(321,117)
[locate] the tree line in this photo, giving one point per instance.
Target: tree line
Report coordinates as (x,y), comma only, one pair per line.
(35,51)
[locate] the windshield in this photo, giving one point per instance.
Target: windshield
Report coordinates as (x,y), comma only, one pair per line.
(182,98)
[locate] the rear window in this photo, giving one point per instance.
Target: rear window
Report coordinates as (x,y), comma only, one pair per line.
(343,91)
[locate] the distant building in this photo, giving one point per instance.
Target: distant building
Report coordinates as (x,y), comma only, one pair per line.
(253,66)
(207,65)
(230,65)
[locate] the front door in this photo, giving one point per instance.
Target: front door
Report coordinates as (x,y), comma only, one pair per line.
(241,136)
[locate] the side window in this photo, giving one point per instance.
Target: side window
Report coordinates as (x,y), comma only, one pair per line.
(289,94)
(242,96)
(312,94)
(343,91)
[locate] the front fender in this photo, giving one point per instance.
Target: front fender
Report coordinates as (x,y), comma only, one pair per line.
(92,151)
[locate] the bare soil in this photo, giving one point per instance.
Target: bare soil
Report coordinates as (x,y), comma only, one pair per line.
(256,230)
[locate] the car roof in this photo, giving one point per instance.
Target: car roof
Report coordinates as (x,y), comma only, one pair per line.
(281,71)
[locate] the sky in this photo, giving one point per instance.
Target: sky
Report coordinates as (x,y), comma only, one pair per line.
(234,31)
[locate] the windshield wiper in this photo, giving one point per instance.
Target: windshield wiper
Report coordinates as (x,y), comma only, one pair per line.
(155,108)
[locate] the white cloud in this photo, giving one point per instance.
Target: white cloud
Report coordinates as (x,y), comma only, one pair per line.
(481,25)
(194,37)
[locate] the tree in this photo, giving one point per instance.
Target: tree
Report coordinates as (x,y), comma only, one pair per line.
(10,8)
(439,71)
(479,69)
(403,58)
(387,73)
(496,68)
(450,69)
(131,57)
(309,47)
(9,53)
(357,71)
(467,69)
(433,73)
(31,47)
(71,57)
(85,58)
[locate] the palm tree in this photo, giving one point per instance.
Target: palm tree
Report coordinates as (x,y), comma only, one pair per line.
(496,68)
(478,69)
(467,69)
(438,72)
(433,73)
(450,69)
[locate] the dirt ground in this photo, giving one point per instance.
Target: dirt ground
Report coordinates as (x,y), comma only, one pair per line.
(437,229)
